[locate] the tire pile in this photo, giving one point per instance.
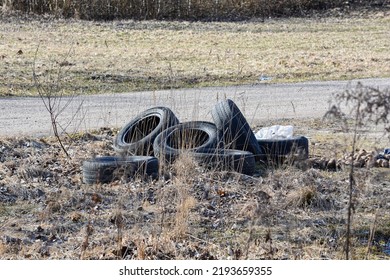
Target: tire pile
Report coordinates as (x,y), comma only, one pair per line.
(157,136)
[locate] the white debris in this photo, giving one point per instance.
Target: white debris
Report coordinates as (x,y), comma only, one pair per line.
(275,132)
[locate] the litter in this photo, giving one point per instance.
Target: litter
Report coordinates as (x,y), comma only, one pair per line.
(275,132)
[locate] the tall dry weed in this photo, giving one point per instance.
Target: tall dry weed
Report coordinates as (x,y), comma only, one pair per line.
(185,170)
(359,108)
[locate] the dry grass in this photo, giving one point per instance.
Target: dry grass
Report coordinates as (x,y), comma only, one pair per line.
(46,212)
(190,213)
(128,55)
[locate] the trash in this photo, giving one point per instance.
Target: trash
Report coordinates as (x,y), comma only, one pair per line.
(275,132)
(265,78)
(387,151)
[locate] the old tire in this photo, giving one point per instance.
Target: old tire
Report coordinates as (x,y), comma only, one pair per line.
(137,136)
(106,169)
(236,132)
(273,148)
(195,136)
(227,160)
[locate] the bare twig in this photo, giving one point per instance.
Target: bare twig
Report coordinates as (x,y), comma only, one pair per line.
(372,235)
(366,104)
(351,183)
(52,96)
(85,244)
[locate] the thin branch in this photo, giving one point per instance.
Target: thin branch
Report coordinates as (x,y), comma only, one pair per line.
(366,104)
(52,96)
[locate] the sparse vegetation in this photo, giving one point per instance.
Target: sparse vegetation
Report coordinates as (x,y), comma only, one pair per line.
(123,56)
(287,212)
(52,95)
(300,210)
(363,105)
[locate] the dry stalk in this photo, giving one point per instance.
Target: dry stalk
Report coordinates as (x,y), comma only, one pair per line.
(119,223)
(52,96)
(365,105)
(185,169)
(85,244)
(372,235)
(141,248)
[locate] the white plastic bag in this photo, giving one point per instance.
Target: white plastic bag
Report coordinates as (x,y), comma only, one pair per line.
(275,132)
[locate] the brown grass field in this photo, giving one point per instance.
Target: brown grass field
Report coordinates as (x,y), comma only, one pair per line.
(294,211)
(118,56)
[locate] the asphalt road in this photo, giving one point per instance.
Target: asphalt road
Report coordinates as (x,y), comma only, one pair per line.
(259,103)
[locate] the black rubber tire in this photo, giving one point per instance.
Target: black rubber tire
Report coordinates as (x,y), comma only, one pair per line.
(196,136)
(106,169)
(276,151)
(227,160)
(236,132)
(282,147)
(137,136)
(240,161)
(209,157)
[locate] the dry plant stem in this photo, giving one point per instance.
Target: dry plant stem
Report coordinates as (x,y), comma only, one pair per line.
(250,238)
(49,102)
(52,97)
(119,224)
(268,238)
(350,208)
(55,130)
(351,184)
(368,105)
(85,243)
(141,247)
(372,234)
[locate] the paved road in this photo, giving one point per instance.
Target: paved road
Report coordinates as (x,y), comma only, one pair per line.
(261,102)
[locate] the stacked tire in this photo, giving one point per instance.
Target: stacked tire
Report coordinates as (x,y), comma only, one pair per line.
(235,130)
(137,136)
(191,137)
(134,146)
(227,160)
(156,136)
(106,169)
(276,150)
